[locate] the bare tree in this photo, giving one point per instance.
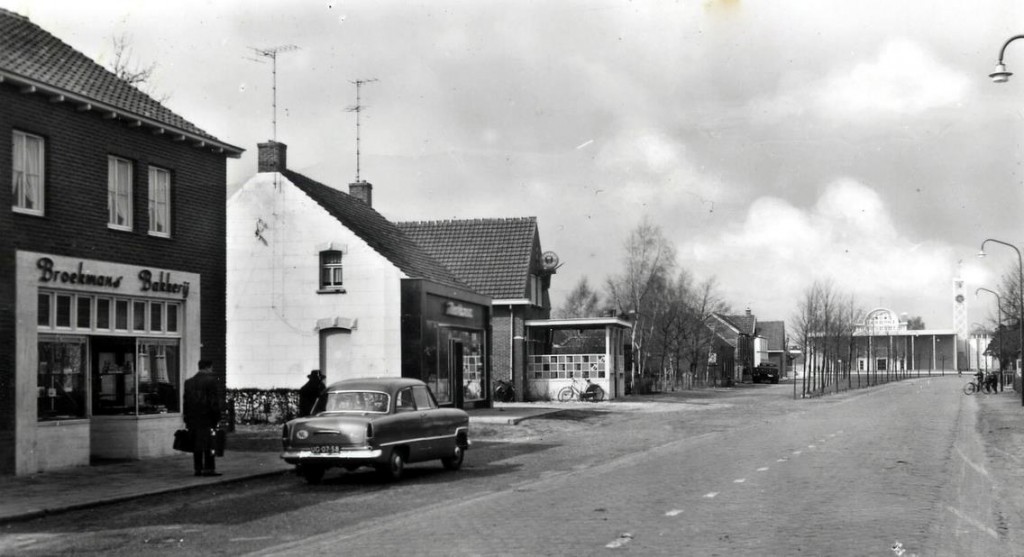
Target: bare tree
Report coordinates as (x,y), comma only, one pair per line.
(649,259)
(581,302)
(126,68)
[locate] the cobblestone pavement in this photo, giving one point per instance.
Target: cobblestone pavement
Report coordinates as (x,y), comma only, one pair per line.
(847,475)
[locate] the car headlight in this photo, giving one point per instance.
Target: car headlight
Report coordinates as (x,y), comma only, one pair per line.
(302,434)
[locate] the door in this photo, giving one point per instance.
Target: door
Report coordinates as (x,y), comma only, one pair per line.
(336,354)
(455,363)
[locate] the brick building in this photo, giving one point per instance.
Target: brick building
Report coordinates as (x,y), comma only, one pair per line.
(111,258)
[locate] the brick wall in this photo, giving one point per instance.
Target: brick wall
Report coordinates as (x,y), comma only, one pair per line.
(75,223)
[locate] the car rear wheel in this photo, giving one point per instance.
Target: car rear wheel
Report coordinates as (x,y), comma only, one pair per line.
(312,473)
(454,462)
(393,468)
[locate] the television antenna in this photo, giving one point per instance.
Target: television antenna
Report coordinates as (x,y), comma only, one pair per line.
(357,108)
(272,54)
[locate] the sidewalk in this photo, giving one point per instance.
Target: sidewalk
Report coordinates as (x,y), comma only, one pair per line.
(25,497)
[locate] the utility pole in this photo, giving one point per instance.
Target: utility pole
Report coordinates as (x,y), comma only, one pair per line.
(357,108)
(272,54)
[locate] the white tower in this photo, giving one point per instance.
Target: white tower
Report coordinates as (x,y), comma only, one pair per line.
(960,323)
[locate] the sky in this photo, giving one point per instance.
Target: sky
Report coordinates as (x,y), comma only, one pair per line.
(774,142)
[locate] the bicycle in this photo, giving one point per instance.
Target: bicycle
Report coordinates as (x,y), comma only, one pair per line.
(591,392)
(974,386)
(504,391)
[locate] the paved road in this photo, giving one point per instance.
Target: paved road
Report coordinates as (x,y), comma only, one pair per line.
(747,471)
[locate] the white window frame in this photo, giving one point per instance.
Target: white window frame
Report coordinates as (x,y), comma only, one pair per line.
(119,193)
(20,170)
(159,202)
(332,267)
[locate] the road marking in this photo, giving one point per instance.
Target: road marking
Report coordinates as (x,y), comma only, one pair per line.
(812,446)
(763,469)
(620,541)
(782,460)
(739,480)
(797,452)
(977,467)
(977,524)
(711,495)
(674,512)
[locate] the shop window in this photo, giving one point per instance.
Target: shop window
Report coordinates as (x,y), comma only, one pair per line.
(139,316)
(29,177)
(330,270)
(135,376)
(121,315)
(83,315)
(172,318)
(43,310)
(156,317)
(119,193)
(159,202)
(61,378)
(64,311)
(103,314)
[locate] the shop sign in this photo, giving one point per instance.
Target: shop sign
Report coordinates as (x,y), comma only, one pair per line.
(81,276)
(458,310)
(162,283)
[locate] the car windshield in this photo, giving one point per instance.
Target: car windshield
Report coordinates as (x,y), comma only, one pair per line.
(356,401)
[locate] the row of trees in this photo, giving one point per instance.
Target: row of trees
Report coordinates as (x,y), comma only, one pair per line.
(668,308)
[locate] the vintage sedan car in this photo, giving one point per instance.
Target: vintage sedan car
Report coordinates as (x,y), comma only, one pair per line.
(379,422)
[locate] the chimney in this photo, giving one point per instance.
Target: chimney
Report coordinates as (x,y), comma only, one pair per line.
(273,157)
(748,311)
(362,190)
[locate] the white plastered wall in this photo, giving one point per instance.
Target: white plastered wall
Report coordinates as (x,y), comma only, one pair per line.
(274,235)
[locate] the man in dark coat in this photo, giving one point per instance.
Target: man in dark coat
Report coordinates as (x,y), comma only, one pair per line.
(202,414)
(310,392)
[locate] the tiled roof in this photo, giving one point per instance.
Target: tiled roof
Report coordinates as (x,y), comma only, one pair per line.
(774,332)
(491,255)
(30,55)
(745,323)
(380,233)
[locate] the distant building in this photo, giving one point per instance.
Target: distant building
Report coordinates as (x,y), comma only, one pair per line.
(502,259)
(111,258)
(319,279)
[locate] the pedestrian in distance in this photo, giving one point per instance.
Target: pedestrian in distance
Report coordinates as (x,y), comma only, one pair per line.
(202,413)
(991,382)
(310,392)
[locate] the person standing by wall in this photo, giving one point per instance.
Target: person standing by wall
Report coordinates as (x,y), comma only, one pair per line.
(202,413)
(310,392)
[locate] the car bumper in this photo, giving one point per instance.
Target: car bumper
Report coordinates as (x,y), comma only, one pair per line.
(295,457)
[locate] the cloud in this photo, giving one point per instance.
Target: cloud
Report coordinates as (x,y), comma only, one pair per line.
(904,79)
(848,235)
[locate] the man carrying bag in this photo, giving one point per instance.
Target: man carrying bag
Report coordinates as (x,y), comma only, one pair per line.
(202,412)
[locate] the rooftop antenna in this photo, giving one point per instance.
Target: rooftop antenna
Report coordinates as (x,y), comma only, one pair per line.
(357,109)
(272,54)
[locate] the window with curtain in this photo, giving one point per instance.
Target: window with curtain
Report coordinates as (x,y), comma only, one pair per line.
(27,164)
(159,202)
(330,269)
(119,193)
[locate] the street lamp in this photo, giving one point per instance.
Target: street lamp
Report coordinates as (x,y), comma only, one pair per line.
(1020,296)
(1001,75)
(999,324)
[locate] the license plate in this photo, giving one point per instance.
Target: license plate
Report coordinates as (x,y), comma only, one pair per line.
(326,449)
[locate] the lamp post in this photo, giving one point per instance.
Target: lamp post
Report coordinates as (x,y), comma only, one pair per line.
(1000,75)
(1020,289)
(999,324)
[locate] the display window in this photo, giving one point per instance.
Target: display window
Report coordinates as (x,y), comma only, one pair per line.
(61,379)
(454,359)
(124,358)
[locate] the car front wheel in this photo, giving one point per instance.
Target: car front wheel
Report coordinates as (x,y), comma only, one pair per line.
(393,468)
(454,462)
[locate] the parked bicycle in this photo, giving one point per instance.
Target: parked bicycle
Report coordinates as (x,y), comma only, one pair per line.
(977,385)
(582,390)
(504,391)
(971,387)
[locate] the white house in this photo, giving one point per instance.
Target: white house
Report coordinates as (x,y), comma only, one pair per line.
(317,279)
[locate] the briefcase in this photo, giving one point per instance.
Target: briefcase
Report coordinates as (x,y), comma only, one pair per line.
(220,438)
(183,441)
